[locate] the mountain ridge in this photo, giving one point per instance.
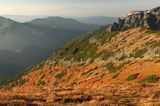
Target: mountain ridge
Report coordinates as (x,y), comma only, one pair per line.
(66,23)
(147,18)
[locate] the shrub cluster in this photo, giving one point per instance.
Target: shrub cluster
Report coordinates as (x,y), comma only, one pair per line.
(132,77)
(150,79)
(138,53)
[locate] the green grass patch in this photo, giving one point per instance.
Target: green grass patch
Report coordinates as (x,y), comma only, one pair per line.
(138,53)
(110,67)
(156,44)
(107,54)
(106,37)
(150,79)
(153,43)
(81,49)
(59,76)
(132,77)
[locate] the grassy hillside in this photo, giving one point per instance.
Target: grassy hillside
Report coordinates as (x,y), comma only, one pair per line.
(101,54)
(117,62)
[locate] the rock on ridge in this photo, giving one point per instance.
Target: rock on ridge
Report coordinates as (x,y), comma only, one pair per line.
(135,19)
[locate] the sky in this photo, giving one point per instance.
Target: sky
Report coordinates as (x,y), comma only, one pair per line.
(77,8)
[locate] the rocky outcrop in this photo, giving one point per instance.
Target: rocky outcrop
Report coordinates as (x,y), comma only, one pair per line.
(135,19)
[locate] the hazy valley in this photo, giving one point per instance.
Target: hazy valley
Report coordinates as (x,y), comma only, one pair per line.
(23,45)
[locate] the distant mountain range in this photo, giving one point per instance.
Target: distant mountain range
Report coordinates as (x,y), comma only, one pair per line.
(25,44)
(59,22)
(97,20)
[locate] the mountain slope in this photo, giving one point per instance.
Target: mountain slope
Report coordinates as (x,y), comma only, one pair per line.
(100,68)
(96,63)
(88,64)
